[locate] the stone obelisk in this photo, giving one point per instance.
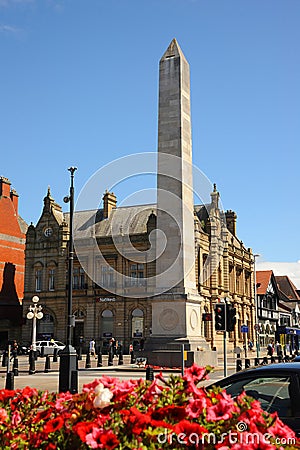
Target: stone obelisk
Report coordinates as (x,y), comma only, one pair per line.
(176,310)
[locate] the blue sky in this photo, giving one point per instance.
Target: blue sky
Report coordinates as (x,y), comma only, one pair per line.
(79,86)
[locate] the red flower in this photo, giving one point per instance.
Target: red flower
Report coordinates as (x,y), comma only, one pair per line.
(105,439)
(51,446)
(82,429)
(42,415)
(174,412)
(138,420)
(6,394)
(54,425)
(29,392)
(109,440)
(185,429)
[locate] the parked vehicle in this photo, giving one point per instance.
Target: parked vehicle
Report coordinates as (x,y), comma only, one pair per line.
(49,347)
(275,386)
(23,348)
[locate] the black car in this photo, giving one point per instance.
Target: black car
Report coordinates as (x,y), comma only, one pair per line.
(275,386)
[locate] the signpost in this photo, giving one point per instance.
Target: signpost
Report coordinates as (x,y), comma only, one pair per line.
(245,329)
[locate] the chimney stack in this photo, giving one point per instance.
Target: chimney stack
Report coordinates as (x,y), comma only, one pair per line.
(4,187)
(231,221)
(109,203)
(15,199)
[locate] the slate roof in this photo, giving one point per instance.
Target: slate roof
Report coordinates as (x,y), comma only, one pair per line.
(128,220)
(287,288)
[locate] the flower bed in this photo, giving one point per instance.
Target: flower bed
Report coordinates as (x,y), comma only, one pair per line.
(175,413)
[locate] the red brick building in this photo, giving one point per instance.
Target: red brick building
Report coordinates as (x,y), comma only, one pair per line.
(12,263)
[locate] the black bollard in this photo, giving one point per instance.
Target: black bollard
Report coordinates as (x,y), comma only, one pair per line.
(256,361)
(280,359)
(247,363)
(47,364)
(286,358)
(273,359)
(132,357)
(110,359)
(16,366)
(99,361)
(5,359)
(42,351)
(10,382)
(265,360)
(121,361)
(80,353)
(55,353)
(31,362)
(149,373)
(239,365)
(88,361)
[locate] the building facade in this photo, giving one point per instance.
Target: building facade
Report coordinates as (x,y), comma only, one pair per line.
(12,263)
(106,307)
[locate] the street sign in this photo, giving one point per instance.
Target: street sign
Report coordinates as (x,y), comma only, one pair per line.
(244,329)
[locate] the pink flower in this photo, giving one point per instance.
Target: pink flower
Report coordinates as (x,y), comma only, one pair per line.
(195,407)
(16,418)
(60,401)
(223,409)
(3,415)
(195,374)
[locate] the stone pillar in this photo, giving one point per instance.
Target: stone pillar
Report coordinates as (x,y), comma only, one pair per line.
(175,213)
(176,312)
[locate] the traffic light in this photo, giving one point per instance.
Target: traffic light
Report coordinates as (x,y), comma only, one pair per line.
(231,318)
(220,317)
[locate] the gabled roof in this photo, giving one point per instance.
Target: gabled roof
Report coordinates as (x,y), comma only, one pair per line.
(287,288)
(263,278)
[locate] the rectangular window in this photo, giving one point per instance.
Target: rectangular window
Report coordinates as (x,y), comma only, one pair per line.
(51,279)
(205,275)
(78,278)
(38,280)
(137,274)
(107,276)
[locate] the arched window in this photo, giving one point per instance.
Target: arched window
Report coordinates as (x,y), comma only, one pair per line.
(45,327)
(51,279)
(137,323)
(107,323)
(38,276)
(79,314)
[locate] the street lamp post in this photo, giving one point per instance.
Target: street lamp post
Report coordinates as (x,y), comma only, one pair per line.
(68,374)
(256,309)
(34,313)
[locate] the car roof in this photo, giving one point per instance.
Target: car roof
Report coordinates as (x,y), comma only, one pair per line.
(274,367)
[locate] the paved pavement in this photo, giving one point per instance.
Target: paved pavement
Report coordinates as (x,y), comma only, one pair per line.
(42,380)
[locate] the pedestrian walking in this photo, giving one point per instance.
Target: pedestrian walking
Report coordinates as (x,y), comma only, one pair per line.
(14,349)
(92,347)
(270,349)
